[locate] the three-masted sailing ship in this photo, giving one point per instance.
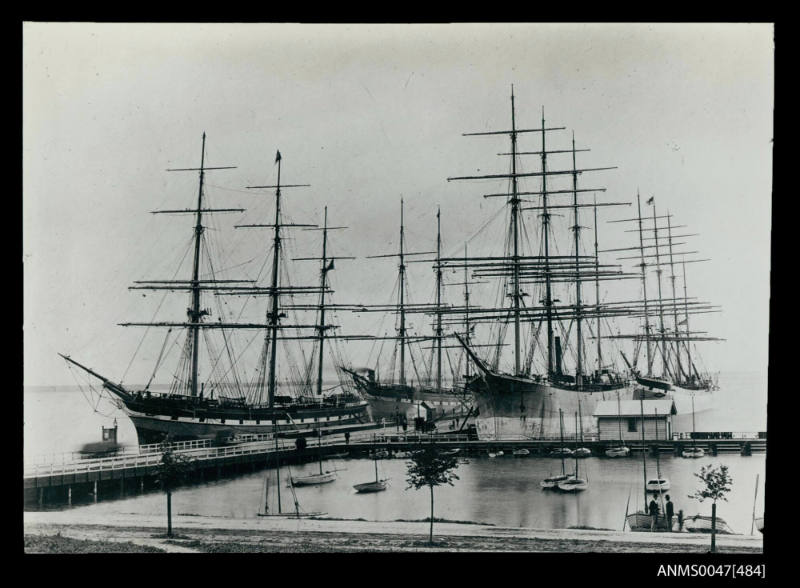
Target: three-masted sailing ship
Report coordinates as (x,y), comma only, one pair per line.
(190,410)
(399,399)
(523,403)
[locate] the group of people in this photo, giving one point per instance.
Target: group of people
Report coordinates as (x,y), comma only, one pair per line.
(669,513)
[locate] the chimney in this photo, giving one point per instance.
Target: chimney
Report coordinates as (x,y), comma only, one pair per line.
(558,356)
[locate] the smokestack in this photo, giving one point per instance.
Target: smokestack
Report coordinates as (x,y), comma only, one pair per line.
(558,356)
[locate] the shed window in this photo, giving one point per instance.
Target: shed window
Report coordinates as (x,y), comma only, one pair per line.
(631,425)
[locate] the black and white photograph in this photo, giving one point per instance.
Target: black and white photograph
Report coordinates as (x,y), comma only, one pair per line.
(396,288)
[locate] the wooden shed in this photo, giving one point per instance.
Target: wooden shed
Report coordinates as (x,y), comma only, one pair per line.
(625,418)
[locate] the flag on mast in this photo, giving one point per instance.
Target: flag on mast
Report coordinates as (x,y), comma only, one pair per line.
(652,198)
(278,157)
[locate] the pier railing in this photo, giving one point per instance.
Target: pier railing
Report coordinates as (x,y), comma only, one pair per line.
(196,450)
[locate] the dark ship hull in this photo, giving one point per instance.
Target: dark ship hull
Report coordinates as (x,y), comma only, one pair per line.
(395,402)
(184,417)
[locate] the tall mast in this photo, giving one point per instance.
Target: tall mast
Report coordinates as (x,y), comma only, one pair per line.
(660,300)
(402,304)
(644,289)
(548,301)
(466,308)
(438,302)
(323,280)
(576,228)
(195,313)
(272,316)
(561,429)
(597,289)
(686,320)
(515,229)
(644,454)
(674,303)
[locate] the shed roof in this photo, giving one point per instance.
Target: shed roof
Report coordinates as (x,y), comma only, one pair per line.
(633,408)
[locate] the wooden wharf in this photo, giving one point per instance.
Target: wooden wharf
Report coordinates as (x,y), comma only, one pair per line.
(133,470)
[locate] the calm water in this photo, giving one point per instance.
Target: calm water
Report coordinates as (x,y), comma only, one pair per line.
(503,491)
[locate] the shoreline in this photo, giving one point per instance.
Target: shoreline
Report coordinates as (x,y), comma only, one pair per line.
(205,534)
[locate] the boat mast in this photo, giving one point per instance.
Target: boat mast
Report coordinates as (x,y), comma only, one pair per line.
(272,316)
(278,473)
(466,308)
(548,302)
(319,447)
(597,291)
(644,452)
(576,445)
(323,278)
(576,228)
(664,368)
(674,299)
(402,329)
(438,302)
(561,429)
(644,289)
(195,313)
(515,230)
(686,320)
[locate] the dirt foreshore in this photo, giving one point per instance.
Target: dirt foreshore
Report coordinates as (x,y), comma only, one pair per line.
(285,535)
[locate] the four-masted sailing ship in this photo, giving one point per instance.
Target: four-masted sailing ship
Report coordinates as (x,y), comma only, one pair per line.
(523,403)
(671,367)
(190,409)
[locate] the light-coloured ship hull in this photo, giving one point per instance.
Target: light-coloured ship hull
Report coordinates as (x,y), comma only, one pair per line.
(520,408)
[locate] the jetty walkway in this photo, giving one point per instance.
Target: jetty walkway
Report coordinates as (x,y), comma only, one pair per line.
(52,479)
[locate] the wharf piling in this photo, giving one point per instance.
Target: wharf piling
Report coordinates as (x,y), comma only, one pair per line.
(97,478)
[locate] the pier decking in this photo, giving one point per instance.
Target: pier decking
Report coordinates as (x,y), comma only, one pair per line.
(134,469)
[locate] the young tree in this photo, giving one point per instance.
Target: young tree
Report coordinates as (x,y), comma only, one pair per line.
(716,484)
(430,467)
(173,468)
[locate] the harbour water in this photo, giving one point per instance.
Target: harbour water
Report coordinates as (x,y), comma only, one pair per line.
(502,491)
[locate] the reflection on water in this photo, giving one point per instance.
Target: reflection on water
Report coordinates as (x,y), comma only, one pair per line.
(504,491)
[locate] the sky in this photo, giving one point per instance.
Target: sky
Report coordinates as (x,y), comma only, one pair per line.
(367,115)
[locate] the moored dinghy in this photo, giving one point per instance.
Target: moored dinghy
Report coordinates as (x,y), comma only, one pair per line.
(522,452)
(574,483)
(657,485)
(553,481)
(581,451)
(315,479)
(619,450)
(377,486)
(693,452)
(702,524)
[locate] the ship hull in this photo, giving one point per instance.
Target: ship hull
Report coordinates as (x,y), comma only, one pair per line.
(154,428)
(512,407)
(394,402)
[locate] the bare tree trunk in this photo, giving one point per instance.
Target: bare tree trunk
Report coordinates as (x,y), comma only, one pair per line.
(431,535)
(169,513)
(714,527)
